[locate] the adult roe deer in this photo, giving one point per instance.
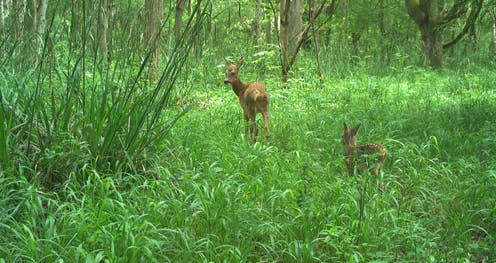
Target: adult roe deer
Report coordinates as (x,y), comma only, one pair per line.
(356,155)
(253,98)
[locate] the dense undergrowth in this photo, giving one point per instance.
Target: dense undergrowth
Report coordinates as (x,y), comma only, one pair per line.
(204,194)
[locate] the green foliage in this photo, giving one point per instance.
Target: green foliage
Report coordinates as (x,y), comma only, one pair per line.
(106,162)
(213,196)
(64,115)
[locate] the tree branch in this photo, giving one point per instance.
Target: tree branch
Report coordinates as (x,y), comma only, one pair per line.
(474,13)
(458,10)
(304,32)
(332,10)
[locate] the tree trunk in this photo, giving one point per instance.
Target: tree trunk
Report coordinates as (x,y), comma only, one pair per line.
(295,24)
(426,16)
(110,30)
(257,22)
(30,20)
(472,34)
(268,28)
(76,11)
(291,21)
(291,32)
(355,39)
(20,9)
(277,25)
(41,11)
(329,12)
(382,29)
(432,16)
(433,46)
(4,10)
(34,22)
(103,14)
(343,47)
(153,22)
(178,22)
(284,37)
(315,37)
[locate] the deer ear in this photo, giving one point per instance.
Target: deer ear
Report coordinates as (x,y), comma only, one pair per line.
(240,63)
(226,62)
(355,129)
(345,127)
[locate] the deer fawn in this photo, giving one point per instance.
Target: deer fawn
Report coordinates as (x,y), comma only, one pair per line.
(356,155)
(252,96)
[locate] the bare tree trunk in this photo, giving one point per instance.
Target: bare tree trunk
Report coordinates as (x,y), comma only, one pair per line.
(284,37)
(3,14)
(256,22)
(30,20)
(40,29)
(382,29)
(295,24)
(277,25)
(178,23)
(20,9)
(34,21)
(290,38)
(110,28)
(103,14)
(41,10)
(315,37)
(329,12)
(76,11)
(432,16)
(5,10)
(433,46)
(153,21)
(426,16)
(343,47)
(268,29)
(29,36)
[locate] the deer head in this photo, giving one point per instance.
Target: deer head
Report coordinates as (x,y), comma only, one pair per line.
(349,135)
(232,71)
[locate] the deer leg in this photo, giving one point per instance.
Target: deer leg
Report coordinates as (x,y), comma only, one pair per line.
(247,125)
(253,124)
(379,163)
(377,168)
(254,128)
(266,123)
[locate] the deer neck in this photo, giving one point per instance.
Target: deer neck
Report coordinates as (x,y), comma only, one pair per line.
(238,87)
(350,150)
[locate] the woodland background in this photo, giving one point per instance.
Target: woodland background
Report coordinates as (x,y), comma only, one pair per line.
(119,141)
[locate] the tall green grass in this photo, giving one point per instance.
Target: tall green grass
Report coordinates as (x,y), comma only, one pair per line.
(67,112)
(209,195)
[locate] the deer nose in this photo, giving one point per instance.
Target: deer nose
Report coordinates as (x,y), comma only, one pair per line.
(226,81)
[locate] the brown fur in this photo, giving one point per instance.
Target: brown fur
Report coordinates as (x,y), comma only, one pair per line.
(355,155)
(253,98)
